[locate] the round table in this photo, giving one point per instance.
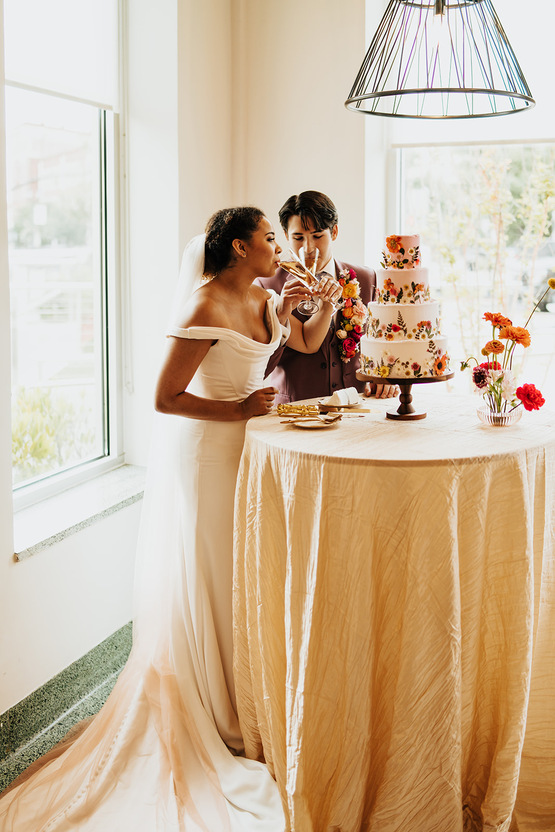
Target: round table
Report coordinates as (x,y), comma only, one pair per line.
(394,619)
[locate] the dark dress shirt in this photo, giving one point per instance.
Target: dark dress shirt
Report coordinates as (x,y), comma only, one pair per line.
(298,375)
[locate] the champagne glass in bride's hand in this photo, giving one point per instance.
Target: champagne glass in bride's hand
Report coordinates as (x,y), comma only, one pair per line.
(306,273)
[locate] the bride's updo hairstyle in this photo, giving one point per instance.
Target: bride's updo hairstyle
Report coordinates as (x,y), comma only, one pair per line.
(222,228)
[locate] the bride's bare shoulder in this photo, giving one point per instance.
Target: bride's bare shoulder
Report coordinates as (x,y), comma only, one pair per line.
(203,309)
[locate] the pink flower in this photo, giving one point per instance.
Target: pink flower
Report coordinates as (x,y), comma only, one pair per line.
(349,345)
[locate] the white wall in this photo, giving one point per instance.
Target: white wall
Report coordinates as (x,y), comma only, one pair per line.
(63,601)
(208,84)
(6,535)
(295,64)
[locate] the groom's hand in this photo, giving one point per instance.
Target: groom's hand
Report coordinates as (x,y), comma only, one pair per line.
(381,391)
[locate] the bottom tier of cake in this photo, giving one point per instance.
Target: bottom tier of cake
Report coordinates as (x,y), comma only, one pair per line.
(404,359)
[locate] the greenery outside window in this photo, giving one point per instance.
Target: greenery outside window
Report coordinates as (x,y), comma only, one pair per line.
(58,225)
(485,217)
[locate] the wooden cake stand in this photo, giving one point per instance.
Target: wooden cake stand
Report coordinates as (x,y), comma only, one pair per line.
(405,410)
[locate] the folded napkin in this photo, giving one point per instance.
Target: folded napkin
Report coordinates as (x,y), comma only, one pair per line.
(349,395)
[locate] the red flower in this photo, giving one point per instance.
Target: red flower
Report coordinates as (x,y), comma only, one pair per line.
(395,328)
(491,365)
(349,345)
(530,397)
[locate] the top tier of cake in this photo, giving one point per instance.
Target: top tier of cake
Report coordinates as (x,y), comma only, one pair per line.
(402,251)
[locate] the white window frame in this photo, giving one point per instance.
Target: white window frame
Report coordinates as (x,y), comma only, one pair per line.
(28,494)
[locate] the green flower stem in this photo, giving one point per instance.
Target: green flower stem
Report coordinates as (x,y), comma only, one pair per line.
(536,306)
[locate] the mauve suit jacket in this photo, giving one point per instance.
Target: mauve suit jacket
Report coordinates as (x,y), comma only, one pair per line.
(299,375)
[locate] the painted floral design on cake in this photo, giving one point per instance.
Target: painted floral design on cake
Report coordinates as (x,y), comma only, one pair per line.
(412,292)
(403,337)
(436,363)
(402,252)
(401,330)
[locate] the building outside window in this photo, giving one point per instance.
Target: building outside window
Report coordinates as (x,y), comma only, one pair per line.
(61,188)
(56,220)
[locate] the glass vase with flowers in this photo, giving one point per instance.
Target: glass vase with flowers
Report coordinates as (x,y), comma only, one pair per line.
(494,378)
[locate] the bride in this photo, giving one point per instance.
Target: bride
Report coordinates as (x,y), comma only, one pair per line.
(165,752)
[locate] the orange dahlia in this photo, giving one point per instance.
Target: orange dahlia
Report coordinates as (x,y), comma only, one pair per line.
(497,319)
(495,347)
(392,243)
(517,334)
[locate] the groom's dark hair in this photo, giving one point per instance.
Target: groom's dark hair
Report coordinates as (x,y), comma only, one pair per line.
(310,206)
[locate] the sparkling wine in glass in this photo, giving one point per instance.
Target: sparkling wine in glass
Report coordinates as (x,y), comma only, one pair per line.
(303,268)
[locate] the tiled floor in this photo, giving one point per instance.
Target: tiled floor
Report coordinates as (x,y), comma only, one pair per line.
(39,722)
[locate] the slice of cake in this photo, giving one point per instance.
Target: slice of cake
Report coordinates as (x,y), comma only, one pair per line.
(403,338)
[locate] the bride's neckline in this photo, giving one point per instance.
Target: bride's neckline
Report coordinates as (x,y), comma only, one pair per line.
(269,329)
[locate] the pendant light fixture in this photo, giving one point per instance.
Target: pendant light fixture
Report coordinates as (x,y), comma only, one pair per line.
(439,60)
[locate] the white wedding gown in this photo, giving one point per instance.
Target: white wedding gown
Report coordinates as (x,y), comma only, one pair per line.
(157,757)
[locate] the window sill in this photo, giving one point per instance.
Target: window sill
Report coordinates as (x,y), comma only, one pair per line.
(42,525)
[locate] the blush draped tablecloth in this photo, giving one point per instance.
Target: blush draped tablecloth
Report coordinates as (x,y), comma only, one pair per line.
(394,619)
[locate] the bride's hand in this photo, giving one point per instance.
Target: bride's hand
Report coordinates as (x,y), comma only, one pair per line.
(292,293)
(259,403)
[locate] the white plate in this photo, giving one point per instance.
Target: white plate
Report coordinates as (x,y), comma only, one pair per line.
(308,424)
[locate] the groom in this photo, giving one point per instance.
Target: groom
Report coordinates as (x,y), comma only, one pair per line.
(310,219)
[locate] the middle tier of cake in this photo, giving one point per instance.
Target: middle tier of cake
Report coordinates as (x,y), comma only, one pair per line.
(393,322)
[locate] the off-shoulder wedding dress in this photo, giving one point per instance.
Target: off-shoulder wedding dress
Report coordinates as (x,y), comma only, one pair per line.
(164,753)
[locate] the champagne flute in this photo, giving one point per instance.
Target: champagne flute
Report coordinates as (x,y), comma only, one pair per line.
(310,260)
(306,273)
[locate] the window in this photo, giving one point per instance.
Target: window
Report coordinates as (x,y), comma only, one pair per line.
(485,216)
(56,175)
(60,142)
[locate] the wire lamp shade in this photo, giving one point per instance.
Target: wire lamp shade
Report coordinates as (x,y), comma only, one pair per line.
(442,59)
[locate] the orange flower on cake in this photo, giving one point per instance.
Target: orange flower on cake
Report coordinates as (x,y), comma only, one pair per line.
(393,243)
(440,364)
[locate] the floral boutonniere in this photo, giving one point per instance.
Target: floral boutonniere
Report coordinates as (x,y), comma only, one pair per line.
(351,317)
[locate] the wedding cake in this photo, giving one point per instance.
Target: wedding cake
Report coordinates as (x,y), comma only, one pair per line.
(403,338)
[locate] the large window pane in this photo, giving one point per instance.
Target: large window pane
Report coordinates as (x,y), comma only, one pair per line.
(485,216)
(54,171)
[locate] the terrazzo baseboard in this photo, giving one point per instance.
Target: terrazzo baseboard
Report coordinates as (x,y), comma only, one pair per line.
(42,719)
